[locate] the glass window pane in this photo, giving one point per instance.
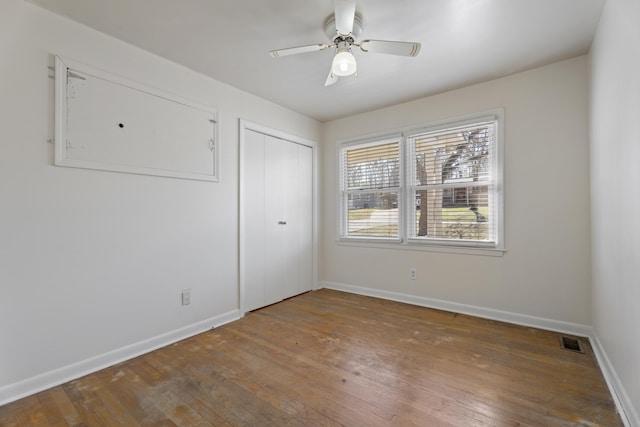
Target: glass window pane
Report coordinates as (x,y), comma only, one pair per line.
(454,213)
(450,173)
(372,214)
(373,167)
(454,156)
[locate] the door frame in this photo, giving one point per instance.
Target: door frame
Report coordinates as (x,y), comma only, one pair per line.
(245,126)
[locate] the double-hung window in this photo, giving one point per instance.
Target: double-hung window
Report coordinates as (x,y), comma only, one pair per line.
(435,186)
(370,189)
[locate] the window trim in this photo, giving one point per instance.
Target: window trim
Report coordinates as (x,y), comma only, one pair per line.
(403,241)
(343,212)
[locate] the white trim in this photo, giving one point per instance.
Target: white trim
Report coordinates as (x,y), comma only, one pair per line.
(245,125)
(455,122)
(64,65)
(628,414)
(406,134)
(46,380)
(472,310)
(396,244)
(372,142)
(344,192)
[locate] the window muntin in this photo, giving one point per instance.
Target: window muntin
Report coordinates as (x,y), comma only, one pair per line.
(439,186)
(370,189)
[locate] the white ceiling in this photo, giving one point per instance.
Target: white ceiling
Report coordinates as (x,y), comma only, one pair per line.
(463,42)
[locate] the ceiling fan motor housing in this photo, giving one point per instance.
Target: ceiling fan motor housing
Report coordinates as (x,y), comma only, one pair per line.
(332,32)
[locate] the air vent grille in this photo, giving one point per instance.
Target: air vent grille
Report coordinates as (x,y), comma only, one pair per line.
(571,344)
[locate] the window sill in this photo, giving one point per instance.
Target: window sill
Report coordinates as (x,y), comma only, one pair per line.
(424,247)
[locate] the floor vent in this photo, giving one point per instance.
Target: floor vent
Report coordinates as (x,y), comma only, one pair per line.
(571,344)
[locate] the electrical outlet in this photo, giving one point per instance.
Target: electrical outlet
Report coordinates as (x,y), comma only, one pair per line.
(186,297)
(412,274)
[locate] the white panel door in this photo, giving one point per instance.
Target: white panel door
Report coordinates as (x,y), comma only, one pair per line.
(254,217)
(305,218)
(291,229)
(277,210)
(275,288)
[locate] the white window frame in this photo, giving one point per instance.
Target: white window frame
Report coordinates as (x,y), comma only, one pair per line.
(343,192)
(406,202)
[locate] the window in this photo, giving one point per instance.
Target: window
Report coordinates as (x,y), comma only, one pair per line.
(437,186)
(370,184)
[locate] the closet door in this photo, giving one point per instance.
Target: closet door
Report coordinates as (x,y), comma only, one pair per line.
(274,220)
(253,212)
(291,217)
(277,209)
(305,218)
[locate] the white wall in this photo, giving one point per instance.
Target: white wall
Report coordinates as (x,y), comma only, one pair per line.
(92,263)
(615,195)
(545,271)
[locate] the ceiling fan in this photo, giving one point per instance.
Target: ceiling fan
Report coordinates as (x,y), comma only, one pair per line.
(343,28)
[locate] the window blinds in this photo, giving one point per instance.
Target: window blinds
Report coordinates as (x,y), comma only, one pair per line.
(373,167)
(452,183)
(435,186)
(370,189)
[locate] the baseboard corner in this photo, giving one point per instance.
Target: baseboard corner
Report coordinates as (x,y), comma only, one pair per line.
(628,413)
(43,381)
(623,403)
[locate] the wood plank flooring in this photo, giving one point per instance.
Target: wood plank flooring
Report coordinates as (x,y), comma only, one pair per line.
(328,358)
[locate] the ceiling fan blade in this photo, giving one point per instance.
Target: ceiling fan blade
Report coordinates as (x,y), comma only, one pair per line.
(345,12)
(331,79)
(299,49)
(390,47)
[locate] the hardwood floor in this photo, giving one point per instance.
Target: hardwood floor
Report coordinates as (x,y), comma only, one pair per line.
(328,358)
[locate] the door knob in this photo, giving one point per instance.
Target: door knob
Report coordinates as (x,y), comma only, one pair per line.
(282,222)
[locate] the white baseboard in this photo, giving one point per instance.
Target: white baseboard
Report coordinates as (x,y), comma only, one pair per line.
(15,391)
(472,310)
(50,379)
(627,412)
(622,401)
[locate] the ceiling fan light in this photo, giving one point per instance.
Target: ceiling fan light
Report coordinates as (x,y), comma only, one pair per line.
(344,63)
